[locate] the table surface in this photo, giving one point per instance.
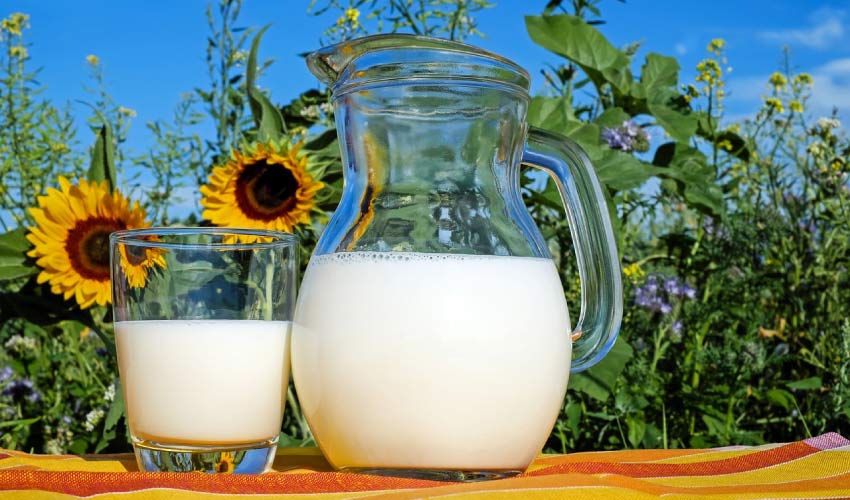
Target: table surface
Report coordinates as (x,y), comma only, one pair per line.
(818,467)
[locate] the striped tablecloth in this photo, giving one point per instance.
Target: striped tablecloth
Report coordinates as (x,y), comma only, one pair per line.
(814,468)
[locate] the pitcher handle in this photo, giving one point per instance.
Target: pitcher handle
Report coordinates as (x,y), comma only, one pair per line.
(593,238)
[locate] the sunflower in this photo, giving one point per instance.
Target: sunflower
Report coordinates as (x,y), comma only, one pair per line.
(226,463)
(136,262)
(71,238)
(269,187)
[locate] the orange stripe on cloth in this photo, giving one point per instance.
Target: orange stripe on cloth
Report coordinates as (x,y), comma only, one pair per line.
(746,462)
(93,483)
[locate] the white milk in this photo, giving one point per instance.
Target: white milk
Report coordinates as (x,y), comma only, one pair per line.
(204,381)
(431,360)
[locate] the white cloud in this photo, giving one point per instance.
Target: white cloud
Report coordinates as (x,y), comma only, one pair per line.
(681,49)
(826,28)
(838,67)
(831,87)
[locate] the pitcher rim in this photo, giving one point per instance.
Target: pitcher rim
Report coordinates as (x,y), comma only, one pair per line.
(329,63)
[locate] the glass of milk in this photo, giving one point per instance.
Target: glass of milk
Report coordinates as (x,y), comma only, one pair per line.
(202,327)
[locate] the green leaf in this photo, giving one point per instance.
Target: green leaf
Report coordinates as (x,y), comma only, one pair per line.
(267,117)
(693,177)
(659,73)
(636,428)
(548,113)
(598,381)
(782,398)
(287,441)
(102,167)
(714,423)
(708,197)
(573,412)
(13,248)
(573,38)
(612,118)
(621,171)
(806,383)
(19,423)
(679,125)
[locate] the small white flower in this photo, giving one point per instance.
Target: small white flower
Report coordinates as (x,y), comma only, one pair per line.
(93,418)
(828,123)
(311,111)
(815,148)
(20,344)
(127,112)
(109,395)
(53,447)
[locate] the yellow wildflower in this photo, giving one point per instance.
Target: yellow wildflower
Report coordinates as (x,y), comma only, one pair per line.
(92,59)
(804,79)
(15,24)
(238,57)
(716,45)
(352,15)
(709,71)
(795,106)
(18,51)
(340,22)
(634,272)
(778,80)
(734,128)
(725,145)
(60,148)
(773,104)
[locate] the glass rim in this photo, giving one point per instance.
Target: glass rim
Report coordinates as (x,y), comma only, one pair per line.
(135,237)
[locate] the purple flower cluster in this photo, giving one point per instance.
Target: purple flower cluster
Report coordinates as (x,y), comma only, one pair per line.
(627,137)
(659,292)
(18,389)
(713,228)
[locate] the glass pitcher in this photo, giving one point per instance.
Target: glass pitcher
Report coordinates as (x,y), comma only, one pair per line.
(431,334)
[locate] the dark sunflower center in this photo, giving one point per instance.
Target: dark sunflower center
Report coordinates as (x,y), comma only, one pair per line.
(266,191)
(87,246)
(135,254)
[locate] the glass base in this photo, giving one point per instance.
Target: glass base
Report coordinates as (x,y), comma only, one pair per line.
(252,458)
(463,476)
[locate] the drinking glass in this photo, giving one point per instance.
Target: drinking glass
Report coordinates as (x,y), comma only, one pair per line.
(202,327)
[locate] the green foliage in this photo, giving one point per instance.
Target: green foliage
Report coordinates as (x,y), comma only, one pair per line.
(735,311)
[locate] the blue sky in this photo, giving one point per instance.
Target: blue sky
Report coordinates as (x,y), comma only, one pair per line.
(153,51)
